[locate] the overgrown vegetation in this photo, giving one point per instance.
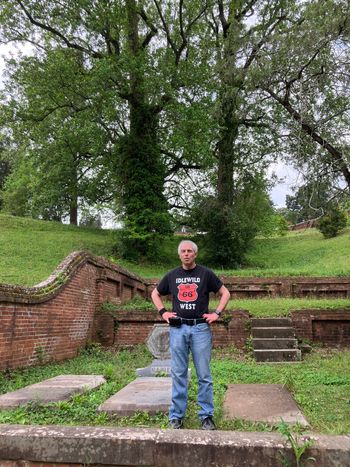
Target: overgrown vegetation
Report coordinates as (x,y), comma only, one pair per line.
(320,385)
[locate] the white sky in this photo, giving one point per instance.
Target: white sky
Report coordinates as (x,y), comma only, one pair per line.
(278,193)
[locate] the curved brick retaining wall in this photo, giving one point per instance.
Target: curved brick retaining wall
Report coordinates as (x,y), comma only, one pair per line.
(54,319)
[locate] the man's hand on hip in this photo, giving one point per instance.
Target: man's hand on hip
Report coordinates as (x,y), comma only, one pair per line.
(210,317)
(167,315)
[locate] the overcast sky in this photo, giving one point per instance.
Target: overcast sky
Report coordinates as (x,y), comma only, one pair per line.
(278,193)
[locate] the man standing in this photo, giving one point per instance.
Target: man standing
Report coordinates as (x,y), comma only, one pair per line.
(190,285)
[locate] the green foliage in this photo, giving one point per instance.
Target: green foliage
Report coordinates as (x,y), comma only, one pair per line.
(299,447)
(332,223)
(57,145)
(274,225)
(229,231)
(141,176)
(86,111)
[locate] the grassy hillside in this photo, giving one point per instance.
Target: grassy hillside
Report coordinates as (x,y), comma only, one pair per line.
(300,253)
(30,250)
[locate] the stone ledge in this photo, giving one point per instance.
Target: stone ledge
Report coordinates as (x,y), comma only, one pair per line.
(160,448)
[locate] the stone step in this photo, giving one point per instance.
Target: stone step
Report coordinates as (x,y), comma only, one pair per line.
(270,332)
(278,355)
(274,343)
(271,322)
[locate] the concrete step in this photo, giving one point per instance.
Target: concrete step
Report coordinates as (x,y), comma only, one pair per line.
(278,355)
(270,332)
(274,343)
(271,322)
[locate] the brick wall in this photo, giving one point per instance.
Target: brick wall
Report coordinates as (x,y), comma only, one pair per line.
(259,287)
(54,319)
(331,327)
(126,328)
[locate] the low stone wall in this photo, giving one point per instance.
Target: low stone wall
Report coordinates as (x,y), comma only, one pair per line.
(46,446)
(126,328)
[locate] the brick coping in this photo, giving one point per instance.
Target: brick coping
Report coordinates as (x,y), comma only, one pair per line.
(51,286)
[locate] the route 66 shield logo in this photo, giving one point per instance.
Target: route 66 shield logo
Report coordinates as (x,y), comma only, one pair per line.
(187,292)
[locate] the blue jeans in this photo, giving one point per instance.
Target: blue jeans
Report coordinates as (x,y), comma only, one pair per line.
(198,340)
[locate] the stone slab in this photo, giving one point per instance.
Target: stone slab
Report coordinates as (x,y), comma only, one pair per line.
(156,368)
(144,394)
(262,403)
(51,390)
(96,445)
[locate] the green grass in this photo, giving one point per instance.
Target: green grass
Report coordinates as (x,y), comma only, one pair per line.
(30,250)
(270,307)
(320,385)
(264,307)
(300,253)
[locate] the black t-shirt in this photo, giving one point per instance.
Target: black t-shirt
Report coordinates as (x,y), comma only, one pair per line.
(190,290)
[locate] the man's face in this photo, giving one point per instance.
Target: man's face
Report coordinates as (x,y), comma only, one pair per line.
(187,255)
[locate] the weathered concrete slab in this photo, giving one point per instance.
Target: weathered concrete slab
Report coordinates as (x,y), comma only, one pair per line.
(161,448)
(144,394)
(51,390)
(262,403)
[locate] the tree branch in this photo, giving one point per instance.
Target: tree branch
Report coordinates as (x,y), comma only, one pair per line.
(308,129)
(57,33)
(153,30)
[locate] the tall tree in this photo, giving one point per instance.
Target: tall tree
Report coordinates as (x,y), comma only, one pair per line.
(243,144)
(141,76)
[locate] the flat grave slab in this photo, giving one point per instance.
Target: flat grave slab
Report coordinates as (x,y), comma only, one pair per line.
(51,390)
(270,403)
(157,367)
(144,394)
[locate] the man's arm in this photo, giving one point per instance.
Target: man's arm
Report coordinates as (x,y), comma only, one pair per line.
(158,303)
(224,298)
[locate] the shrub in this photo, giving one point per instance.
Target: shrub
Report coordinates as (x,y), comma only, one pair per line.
(332,223)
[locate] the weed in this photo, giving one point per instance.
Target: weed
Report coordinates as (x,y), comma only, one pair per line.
(226,320)
(299,447)
(109,372)
(40,353)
